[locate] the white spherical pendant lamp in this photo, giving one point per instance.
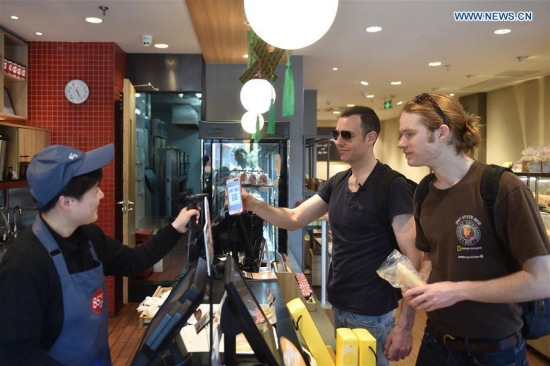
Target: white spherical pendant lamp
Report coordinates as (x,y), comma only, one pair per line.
(290,24)
(256,95)
(248,121)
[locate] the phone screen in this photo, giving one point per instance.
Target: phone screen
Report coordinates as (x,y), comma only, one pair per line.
(234,197)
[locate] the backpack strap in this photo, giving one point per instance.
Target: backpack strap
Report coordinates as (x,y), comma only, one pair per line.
(421,193)
(489,189)
(382,202)
(338,178)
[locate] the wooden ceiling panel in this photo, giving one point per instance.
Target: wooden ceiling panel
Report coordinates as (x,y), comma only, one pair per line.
(220,28)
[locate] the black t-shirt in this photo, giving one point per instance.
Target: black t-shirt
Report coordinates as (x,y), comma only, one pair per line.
(361,243)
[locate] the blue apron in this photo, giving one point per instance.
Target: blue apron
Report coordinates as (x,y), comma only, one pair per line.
(84,338)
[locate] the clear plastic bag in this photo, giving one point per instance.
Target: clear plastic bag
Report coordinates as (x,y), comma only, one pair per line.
(399,271)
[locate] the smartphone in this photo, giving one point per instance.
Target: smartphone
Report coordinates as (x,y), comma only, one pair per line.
(234,196)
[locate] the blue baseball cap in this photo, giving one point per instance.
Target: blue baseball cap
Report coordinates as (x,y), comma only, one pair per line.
(52,168)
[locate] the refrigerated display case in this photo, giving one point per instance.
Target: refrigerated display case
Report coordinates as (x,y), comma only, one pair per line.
(539,184)
(262,167)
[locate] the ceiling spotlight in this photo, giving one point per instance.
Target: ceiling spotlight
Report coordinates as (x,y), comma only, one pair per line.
(395,83)
(334,69)
(502,31)
(434,63)
(452,94)
(245,55)
(335,112)
(350,105)
(161,45)
(370,96)
(373,29)
(522,58)
(14,17)
(365,83)
(39,33)
(94,20)
(399,103)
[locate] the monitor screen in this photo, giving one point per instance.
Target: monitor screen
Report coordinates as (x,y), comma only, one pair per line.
(248,314)
(207,234)
(184,298)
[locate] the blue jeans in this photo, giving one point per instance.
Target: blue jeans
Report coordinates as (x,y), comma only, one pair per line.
(434,353)
(378,326)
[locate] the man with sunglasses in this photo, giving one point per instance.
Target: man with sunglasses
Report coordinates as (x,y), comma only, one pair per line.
(472,293)
(361,241)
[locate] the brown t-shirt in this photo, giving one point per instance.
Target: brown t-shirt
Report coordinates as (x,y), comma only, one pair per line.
(455,228)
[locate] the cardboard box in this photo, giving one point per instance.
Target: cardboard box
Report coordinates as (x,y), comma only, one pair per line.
(145,320)
(290,289)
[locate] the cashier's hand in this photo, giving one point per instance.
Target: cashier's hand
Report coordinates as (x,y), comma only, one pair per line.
(180,223)
(398,343)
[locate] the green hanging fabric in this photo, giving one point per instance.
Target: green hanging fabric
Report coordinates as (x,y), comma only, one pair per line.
(288,90)
(258,134)
(249,37)
(271,114)
(271,118)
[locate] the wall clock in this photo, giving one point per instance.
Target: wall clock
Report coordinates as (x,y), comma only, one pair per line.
(77,91)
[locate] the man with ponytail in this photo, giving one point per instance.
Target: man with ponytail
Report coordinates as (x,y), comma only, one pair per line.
(473,288)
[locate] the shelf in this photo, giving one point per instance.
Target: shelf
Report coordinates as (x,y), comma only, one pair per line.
(11,117)
(13,78)
(10,184)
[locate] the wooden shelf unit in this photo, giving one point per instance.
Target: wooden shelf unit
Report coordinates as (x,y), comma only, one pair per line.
(13,49)
(24,142)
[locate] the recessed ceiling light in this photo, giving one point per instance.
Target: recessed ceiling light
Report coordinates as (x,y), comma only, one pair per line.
(370,95)
(502,31)
(161,45)
(350,105)
(335,112)
(334,69)
(365,83)
(94,20)
(452,94)
(522,58)
(399,103)
(39,33)
(434,63)
(245,55)
(373,29)
(395,83)
(14,17)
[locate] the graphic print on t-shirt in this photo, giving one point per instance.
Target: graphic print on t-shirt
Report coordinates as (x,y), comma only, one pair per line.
(468,233)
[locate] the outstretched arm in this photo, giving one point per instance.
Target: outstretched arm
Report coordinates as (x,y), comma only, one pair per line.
(286,218)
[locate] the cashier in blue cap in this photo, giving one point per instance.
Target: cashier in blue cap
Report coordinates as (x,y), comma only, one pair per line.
(53,301)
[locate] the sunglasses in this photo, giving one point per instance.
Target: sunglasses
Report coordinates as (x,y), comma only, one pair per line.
(346,135)
(422,97)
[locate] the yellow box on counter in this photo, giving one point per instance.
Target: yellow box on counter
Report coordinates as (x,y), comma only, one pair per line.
(347,352)
(309,332)
(144,320)
(367,347)
(290,289)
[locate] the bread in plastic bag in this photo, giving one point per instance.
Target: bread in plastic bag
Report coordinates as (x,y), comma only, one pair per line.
(399,271)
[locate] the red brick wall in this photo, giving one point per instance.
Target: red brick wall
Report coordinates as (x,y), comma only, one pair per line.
(84,126)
